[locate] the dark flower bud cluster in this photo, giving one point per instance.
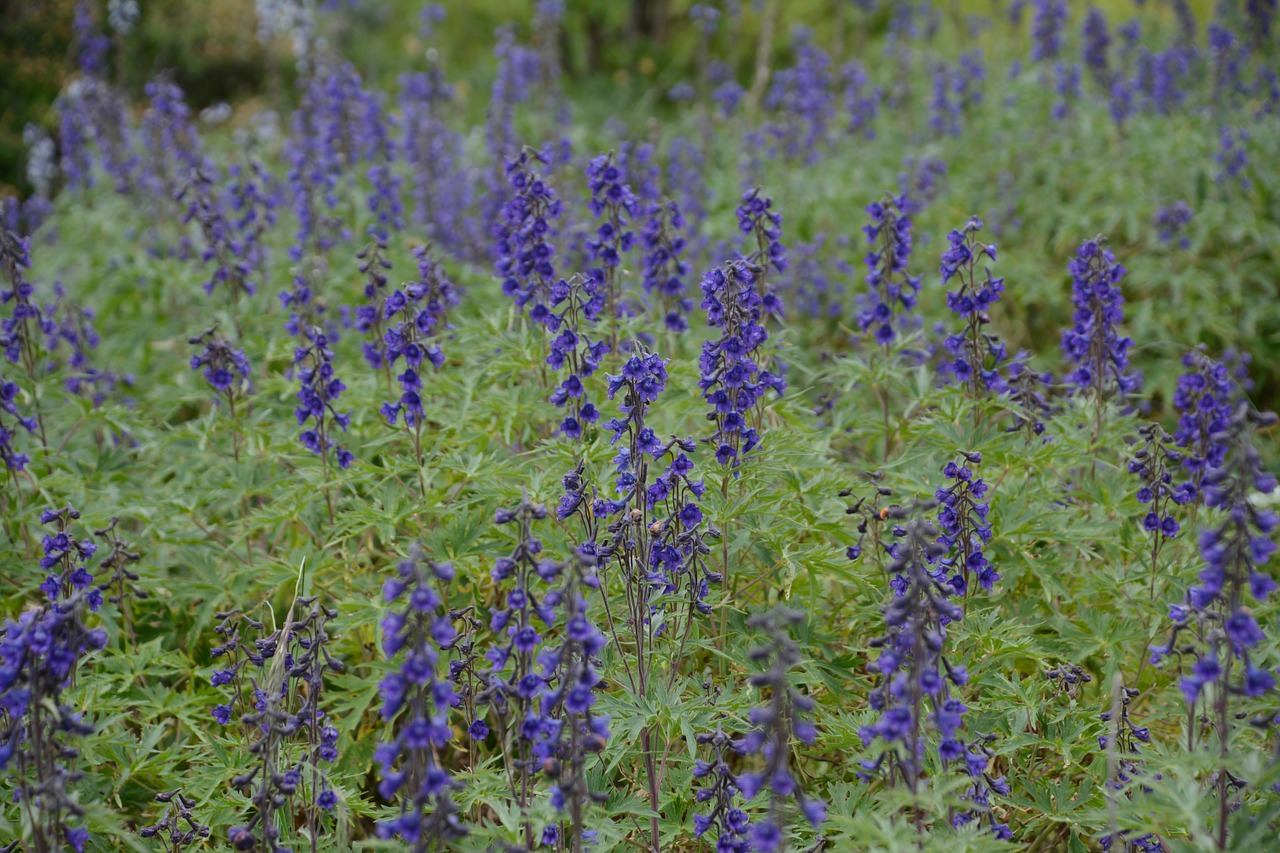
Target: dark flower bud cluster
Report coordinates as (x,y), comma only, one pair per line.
(417,697)
(1029,390)
(1068,678)
(206,207)
(1155,462)
(1094,347)
(422,309)
(65,560)
(734,377)
(962,516)
(40,653)
(574,303)
(27,320)
(224,367)
(616,206)
(75,329)
(728,823)
(122,582)
(14,459)
(178,829)
(758,221)
(892,288)
(525,255)
(1205,399)
(976,355)
(320,389)
(369,316)
(1127,770)
(784,719)
(916,677)
(871,517)
(663,244)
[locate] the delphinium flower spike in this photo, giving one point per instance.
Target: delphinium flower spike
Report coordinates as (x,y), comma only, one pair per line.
(965,528)
(369,315)
(421,308)
(1225,635)
(729,825)
(892,288)
(1205,399)
(775,726)
(319,391)
(734,375)
(871,519)
(178,829)
(121,584)
(525,254)
(1027,389)
(616,206)
(574,303)
(417,631)
(1094,348)
(977,355)
(18,331)
(760,223)
(205,206)
(1156,461)
(65,560)
(40,653)
(664,267)
(1125,769)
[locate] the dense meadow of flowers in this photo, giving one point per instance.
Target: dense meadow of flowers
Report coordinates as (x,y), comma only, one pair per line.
(856,448)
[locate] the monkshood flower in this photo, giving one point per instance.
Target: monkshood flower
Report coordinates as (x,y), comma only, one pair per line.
(1046,29)
(1205,399)
(1093,346)
(916,677)
(616,206)
(1232,157)
(373,266)
(575,303)
(1128,771)
(224,367)
(1224,633)
(760,223)
(962,515)
(65,560)
(724,818)
(1171,223)
(178,829)
(784,719)
(321,388)
(514,683)
(525,255)
(893,290)
(205,205)
(861,100)
(663,244)
(417,631)
(977,356)
(40,653)
(803,96)
(570,667)
(1155,462)
(1097,44)
(734,379)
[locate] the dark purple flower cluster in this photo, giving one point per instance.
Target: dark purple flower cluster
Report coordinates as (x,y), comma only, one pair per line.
(962,515)
(1155,462)
(423,308)
(1234,553)
(1128,770)
(320,389)
(1094,346)
(1067,86)
(252,197)
(122,581)
(1028,389)
(734,377)
(757,219)
(418,630)
(224,367)
(1232,157)
(40,653)
(1097,44)
(172,143)
(368,316)
(575,302)
(803,96)
(861,100)
(893,289)
(1046,29)
(525,255)
(178,829)
(1171,223)
(14,459)
(663,242)
(65,560)
(785,718)
(93,115)
(916,676)
(616,206)
(1205,399)
(19,330)
(222,244)
(728,823)
(976,355)
(442,192)
(920,182)
(518,68)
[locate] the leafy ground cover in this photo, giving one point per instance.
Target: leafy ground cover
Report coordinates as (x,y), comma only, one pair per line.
(864,448)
